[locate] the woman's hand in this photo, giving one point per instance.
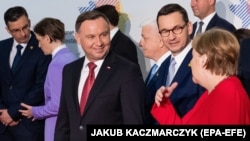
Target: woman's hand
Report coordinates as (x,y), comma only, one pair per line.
(164,92)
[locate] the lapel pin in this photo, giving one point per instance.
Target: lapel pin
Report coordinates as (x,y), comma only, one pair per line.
(108,67)
(31,47)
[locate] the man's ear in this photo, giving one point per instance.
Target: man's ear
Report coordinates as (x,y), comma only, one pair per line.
(190,27)
(77,37)
(212,2)
(8,30)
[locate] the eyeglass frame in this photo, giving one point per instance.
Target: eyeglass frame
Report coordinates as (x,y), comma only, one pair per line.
(24,28)
(167,32)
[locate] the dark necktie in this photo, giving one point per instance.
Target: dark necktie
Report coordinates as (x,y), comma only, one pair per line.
(200,28)
(17,57)
(171,71)
(87,86)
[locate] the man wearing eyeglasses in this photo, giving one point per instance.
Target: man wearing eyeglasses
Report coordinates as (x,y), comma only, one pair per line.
(23,68)
(175,29)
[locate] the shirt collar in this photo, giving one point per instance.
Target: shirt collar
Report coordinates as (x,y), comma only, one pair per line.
(207,19)
(113,32)
(22,44)
(162,58)
(57,49)
(98,63)
(180,57)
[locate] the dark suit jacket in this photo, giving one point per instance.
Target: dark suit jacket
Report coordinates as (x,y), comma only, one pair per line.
(23,85)
(117,97)
(244,65)
(158,80)
(216,21)
(187,92)
(124,46)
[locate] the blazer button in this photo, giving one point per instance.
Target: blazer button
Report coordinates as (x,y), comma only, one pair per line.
(10,87)
(81,127)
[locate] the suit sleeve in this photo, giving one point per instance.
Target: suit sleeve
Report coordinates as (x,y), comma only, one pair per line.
(35,95)
(62,129)
(165,113)
(132,98)
(53,90)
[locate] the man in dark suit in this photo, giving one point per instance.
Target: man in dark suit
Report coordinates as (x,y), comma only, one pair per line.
(23,83)
(244,65)
(117,94)
(205,11)
(120,43)
(153,48)
(175,29)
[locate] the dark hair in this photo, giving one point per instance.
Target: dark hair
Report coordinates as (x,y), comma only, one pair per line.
(241,34)
(111,13)
(89,15)
(14,13)
(171,8)
(52,27)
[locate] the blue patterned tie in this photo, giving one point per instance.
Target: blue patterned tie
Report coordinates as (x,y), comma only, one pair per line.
(152,72)
(171,71)
(17,57)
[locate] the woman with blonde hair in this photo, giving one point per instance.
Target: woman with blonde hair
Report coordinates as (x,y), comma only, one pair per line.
(214,66)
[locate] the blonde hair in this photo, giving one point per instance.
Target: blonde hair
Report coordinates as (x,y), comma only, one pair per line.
(221,48)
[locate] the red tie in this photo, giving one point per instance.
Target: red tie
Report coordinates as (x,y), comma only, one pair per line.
(87,86)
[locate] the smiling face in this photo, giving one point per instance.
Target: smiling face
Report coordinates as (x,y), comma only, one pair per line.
(175,42)
(94,37)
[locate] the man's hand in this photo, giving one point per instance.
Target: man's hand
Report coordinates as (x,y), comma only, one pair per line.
(13,123)
(5,117)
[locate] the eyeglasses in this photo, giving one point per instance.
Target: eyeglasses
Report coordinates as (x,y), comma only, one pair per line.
(24,29)
(176,30)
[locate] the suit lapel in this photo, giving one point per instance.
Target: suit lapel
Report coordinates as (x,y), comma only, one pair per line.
(30,48)
(161,74)
(76,74)
(194,29)
(212,22)
(6,56)
(105,72)
(115,39)
(147,79)
(184,68)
